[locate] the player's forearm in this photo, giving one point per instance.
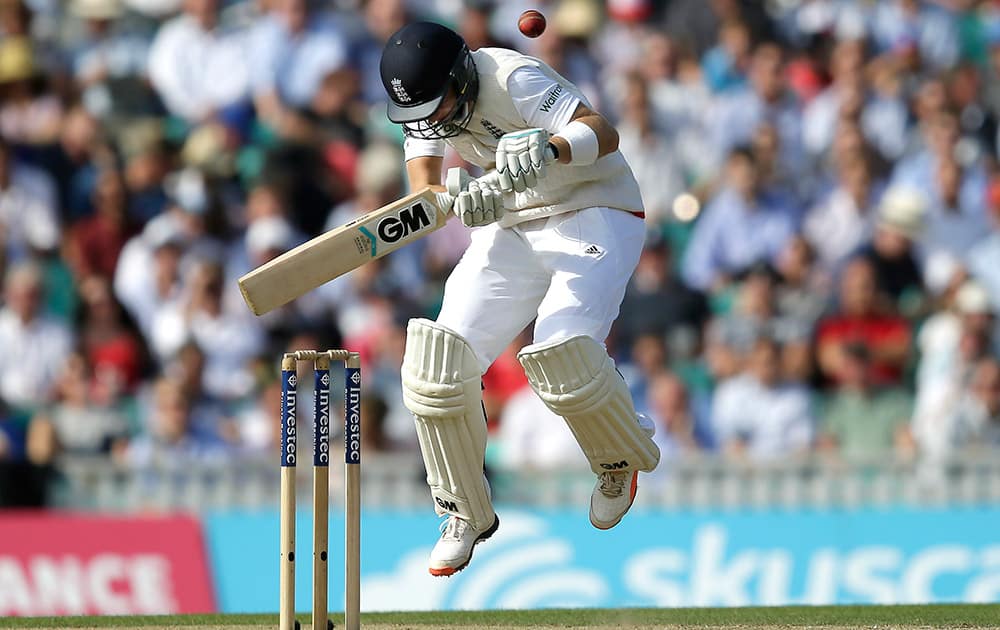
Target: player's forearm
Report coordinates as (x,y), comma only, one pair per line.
(424,172)
(600,132)
(284,120)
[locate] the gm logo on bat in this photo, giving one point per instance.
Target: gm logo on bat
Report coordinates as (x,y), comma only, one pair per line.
(400,225)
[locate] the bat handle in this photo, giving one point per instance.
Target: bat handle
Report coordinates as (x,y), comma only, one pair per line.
(491,179)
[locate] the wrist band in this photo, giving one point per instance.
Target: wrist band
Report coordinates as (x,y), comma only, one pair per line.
(582,142)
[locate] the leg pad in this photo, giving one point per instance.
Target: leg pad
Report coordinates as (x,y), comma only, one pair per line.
(577,379)
(442,388)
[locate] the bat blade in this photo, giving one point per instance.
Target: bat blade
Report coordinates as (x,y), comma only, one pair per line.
(342,249)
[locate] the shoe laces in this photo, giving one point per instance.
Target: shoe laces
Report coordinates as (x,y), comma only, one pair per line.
(613,484)
(453,528)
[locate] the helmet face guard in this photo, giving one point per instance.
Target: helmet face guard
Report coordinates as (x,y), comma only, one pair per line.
(463,83)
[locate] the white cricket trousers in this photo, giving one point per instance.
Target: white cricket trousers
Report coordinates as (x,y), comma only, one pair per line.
(568,272)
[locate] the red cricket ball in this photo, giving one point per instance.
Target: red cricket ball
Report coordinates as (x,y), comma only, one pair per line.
(531,23)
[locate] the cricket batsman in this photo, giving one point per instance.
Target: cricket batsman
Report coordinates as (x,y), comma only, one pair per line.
(555,243)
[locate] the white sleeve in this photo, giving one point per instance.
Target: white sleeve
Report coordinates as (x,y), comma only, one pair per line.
(799,432)
(264,39)
(41,225)
(540,100)
(728,408)
(169,331)
(418,147)
(166,70)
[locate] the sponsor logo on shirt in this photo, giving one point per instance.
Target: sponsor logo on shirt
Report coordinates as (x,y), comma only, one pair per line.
(593,250)
(495,131)
(552,97)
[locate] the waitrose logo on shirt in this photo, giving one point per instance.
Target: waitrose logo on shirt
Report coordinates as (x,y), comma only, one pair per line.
(552,97)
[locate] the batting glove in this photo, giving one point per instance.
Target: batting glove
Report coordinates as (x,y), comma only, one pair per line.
(479,205)
(476,202)
(521,159)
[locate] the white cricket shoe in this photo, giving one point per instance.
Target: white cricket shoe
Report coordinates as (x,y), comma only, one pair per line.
(611,499)
(453,550)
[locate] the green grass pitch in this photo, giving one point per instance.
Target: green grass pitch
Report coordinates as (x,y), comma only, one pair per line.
(931,616)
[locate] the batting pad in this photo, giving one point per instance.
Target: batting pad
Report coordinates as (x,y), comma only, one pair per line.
(577,379)
(443,390)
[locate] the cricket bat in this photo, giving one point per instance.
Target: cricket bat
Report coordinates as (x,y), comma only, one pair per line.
(345,248)
(342,249)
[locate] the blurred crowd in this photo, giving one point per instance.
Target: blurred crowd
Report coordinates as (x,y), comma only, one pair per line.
(821,271)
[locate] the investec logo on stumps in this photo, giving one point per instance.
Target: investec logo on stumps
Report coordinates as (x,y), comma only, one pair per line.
(321,438)
(289,429)
(352,427)
(395,227)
